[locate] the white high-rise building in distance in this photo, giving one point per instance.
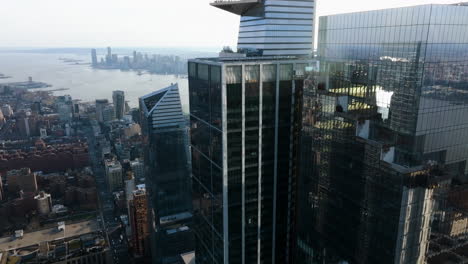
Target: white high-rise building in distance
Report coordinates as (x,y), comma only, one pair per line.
(94,59)
(274,27)
(114,174)
(7,110)
(109,56)
(100,105)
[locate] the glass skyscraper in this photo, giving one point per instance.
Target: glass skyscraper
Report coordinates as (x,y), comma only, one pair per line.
(167,174)
(245,120)
(273,27)
(245,124)
(385,135)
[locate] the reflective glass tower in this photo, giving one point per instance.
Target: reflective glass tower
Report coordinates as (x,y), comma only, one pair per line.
(245,123)
(167,174)
(384,138)
(274,27)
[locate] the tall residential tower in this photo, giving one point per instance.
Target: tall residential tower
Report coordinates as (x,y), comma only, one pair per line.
(118,98)
(101,105)
(138,208)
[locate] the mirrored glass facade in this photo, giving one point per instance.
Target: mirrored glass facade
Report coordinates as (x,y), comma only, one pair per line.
(385,130)
(245,123)
(165,131)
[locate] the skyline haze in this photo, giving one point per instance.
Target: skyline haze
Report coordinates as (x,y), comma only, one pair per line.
(55,23)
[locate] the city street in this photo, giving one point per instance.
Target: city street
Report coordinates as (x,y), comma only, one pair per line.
(110,222)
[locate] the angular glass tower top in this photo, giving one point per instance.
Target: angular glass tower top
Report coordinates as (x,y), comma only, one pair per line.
(164,108)
(273,27)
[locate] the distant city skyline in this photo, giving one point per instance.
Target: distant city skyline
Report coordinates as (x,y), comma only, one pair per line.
(176,23)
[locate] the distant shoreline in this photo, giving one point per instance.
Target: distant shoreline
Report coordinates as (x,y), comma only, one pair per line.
(27,85)
(3,76)
(187,52)
(138,71)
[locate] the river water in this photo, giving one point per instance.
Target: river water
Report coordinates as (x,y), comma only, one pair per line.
(84,82)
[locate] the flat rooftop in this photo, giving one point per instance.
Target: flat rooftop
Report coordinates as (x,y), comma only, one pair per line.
(401,7)
(50,234)
(174,218)
(234,60)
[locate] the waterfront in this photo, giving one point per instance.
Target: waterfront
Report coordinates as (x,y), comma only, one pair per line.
(83,82)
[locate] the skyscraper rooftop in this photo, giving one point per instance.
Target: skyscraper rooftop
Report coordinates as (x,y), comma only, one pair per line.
(165,107)
(272,27)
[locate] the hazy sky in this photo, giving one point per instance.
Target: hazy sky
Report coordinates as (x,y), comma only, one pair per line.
(170,23)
